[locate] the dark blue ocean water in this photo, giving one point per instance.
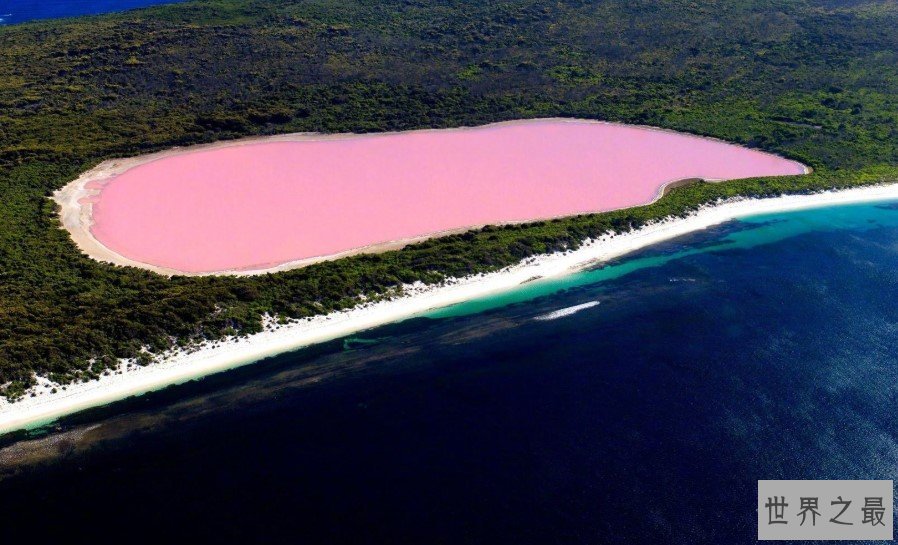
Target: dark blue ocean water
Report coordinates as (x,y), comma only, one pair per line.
(19,11)
(762,349)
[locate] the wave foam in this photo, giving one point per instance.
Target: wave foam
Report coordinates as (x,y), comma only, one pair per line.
(561,313)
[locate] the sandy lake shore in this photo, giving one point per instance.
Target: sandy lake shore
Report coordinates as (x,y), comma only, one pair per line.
(183,366)
(460,206)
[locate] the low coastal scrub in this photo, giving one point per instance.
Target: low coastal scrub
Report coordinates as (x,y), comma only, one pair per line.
(817,83)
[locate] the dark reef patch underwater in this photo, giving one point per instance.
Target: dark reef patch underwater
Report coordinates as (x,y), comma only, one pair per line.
(763,349)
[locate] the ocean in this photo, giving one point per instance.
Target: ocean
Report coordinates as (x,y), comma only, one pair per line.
(635,403)
(20,11)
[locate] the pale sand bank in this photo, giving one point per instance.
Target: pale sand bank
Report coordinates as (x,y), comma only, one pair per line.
(274,203)
(209,359)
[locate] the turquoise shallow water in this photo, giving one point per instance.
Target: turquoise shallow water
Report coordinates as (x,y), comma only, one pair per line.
(748,232)
(761,349)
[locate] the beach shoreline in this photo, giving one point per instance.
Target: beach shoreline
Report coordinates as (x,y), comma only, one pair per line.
(76,199)
(415,301)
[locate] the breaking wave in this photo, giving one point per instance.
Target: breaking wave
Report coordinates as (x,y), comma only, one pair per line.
(561,313)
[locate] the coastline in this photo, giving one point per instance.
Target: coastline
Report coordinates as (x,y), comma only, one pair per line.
(76,198)
(419,299)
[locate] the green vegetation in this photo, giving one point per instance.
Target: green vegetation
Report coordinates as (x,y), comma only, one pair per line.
(813,80)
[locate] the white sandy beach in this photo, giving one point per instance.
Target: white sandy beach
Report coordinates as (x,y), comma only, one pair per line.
(213,357)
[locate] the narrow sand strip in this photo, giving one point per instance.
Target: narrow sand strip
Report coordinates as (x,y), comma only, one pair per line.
(420,299)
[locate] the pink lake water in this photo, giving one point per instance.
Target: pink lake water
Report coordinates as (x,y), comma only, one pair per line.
(263,204)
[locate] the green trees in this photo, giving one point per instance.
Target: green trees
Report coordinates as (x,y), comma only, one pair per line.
(819,84)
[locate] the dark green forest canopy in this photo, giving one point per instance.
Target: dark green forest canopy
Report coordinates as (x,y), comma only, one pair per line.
(815,81)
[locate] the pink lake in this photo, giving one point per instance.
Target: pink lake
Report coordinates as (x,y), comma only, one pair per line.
(259,205)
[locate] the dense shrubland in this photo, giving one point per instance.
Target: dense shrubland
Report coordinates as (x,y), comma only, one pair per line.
(815,81)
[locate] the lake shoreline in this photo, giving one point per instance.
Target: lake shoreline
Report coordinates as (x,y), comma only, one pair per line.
(416,300)
(77,199)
